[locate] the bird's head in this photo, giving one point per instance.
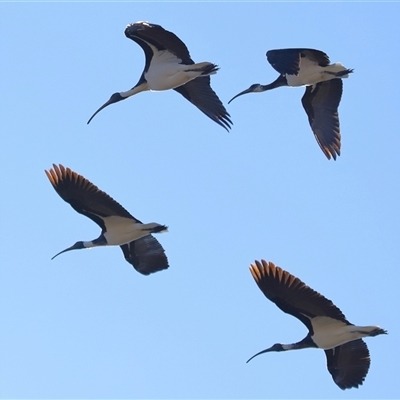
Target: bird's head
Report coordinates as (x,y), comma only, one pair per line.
(76,246)
(116,97)
(255,88)
(275,347)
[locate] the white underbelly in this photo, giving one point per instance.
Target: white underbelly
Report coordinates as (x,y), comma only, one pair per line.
(164,79)
(314,74)
(122,230)
(303,80)
(166,71)
(329,333)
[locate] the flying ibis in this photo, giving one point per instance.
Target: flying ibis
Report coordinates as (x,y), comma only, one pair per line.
(346,353)
(118,226)
(311,68)
(168,65)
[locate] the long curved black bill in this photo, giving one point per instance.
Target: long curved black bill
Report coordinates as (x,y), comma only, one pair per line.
(103,106)
(76,246)
(261,352)
(113,99)
(249,90)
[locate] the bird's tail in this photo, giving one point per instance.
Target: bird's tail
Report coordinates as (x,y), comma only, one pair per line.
(378,331)
(345,73)
(338,70)
(206,68)
(160,229)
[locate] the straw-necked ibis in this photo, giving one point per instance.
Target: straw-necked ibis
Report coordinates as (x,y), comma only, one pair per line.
(118,226)
(168,65)
(311,68)
(347,354)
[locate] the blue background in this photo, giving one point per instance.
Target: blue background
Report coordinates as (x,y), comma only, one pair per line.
(86,324)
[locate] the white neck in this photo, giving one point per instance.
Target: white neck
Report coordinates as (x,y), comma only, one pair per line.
(137,89)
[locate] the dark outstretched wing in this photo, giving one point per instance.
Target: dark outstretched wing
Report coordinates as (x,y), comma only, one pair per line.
(144,33)
(83,196)
(287,61)
(146,255)
(349,363)
(292,295)
(198,91)
(321,102)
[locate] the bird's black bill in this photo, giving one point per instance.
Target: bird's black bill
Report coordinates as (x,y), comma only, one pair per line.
(261,352)
(76,246)
(249,90)
(103,106)
(113,99)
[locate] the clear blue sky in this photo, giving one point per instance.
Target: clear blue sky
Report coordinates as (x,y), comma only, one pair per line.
(87,324)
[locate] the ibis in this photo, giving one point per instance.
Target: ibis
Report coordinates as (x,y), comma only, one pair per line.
(346,353)
(168,65)
(118,226)
(324,86)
